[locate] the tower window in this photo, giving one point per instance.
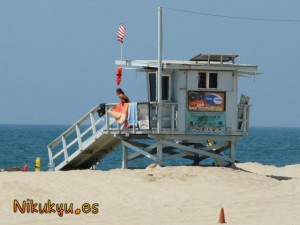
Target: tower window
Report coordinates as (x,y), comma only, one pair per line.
(208,80)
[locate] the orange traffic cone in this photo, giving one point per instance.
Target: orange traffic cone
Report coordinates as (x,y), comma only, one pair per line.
(222,216)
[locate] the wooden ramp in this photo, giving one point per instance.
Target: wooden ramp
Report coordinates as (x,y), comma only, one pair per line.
(91,154)
(83,144)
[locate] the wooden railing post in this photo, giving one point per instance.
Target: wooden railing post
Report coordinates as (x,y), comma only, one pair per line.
(92,119)
(172,117)
(50,154)
(79,139)
(245,118)
(51,164)
(107,119)
(248,117)
(65,148)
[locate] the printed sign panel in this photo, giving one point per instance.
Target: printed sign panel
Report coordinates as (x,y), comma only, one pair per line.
(206,123)
(143,116)
(202,101)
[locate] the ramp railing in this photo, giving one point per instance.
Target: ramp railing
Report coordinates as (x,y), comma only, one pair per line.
(78,136)
(92,125)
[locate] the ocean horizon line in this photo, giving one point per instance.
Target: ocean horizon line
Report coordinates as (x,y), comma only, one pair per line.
(35,124)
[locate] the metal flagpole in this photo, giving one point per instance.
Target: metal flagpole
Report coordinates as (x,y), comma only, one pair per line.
(121,44)
(159,72)
(121,51)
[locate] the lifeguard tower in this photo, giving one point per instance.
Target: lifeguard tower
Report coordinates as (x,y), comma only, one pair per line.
(199,115)
(193,111)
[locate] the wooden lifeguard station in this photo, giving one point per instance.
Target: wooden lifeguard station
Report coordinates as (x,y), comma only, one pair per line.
(200,115)
(193,111)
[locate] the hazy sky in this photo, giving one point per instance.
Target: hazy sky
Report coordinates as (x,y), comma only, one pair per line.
(57,57)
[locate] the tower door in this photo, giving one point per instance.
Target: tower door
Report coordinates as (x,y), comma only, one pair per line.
(152,87)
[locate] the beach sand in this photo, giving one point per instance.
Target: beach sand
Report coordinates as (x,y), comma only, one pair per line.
(250,194)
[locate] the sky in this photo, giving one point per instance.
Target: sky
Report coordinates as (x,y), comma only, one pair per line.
(57,57)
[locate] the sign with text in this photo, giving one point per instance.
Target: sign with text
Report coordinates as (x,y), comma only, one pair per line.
(206,123)
(203,101)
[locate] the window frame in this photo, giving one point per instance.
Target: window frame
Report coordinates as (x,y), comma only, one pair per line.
(149,74)
(207,82)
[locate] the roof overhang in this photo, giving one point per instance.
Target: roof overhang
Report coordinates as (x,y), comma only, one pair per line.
(244,69)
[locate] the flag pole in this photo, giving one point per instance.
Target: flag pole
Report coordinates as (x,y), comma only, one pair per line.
(120,37)
(159,69)
(121,51)
(121,45)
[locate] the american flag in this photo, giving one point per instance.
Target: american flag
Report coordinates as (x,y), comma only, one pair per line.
(121,33)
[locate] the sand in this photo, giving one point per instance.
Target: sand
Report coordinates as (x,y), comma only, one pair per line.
(250,194)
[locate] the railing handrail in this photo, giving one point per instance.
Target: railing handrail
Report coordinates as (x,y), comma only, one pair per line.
(71,128)
(92,130)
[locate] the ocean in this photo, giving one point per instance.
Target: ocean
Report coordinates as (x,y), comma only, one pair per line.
(22,144)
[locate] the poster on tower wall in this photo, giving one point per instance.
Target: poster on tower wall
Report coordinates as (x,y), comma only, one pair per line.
(203,101)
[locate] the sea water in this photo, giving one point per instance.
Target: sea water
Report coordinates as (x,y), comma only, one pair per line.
(22,144)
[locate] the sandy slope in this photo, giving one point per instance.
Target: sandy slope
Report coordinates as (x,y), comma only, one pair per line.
(250,194)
